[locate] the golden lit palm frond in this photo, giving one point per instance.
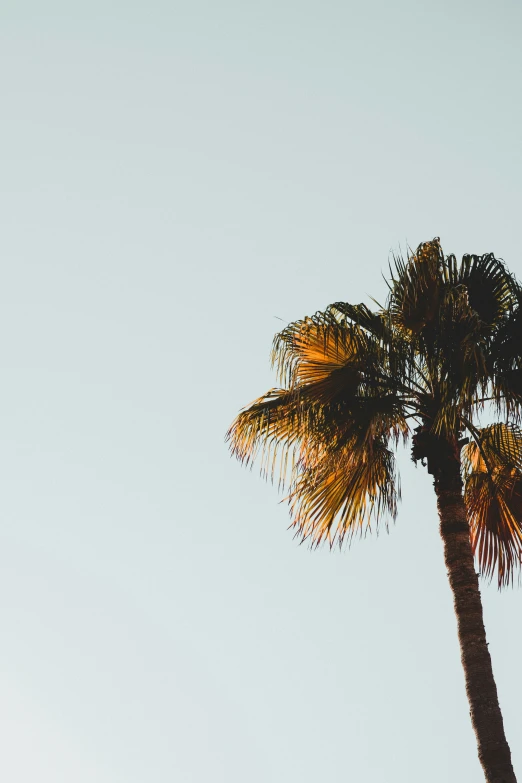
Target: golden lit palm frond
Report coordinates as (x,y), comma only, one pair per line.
(336,496)
(310,350)
(320,360)
(346,346)
(281,426)
(341,399)
(492,468)
(498,445)
(318,356)
(270,428)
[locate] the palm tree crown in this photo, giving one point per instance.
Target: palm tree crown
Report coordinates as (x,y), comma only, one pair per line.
(443,351)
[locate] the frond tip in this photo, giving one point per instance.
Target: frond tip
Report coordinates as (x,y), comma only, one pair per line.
(269,428)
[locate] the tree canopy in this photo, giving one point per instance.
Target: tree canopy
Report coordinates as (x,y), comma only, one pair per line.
(442,354)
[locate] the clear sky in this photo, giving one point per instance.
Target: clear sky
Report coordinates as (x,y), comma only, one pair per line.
(176,176)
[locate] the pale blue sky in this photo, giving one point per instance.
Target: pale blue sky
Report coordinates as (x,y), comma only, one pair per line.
(174,177)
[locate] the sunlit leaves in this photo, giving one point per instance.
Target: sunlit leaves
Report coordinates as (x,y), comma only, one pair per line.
(309,351)
(492,467)
(332,499)
(353,380)
(340,408)
(270,427)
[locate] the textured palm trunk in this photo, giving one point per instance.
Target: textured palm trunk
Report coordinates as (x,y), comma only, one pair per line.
(493,749)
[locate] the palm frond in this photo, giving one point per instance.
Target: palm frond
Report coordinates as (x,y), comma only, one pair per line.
(489,286)
(398,352)
(331,500)
(377,324)
(458,353)
(492,470)
(506,360)
(281,427)
(415,287)
(310,350)
(269,428)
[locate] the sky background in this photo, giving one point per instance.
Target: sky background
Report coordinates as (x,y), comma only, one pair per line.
(175,177)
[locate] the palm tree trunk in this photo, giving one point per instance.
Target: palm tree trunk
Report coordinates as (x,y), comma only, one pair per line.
(493,749)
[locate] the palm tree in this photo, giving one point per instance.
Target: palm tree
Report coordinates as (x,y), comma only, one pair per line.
(445,352)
